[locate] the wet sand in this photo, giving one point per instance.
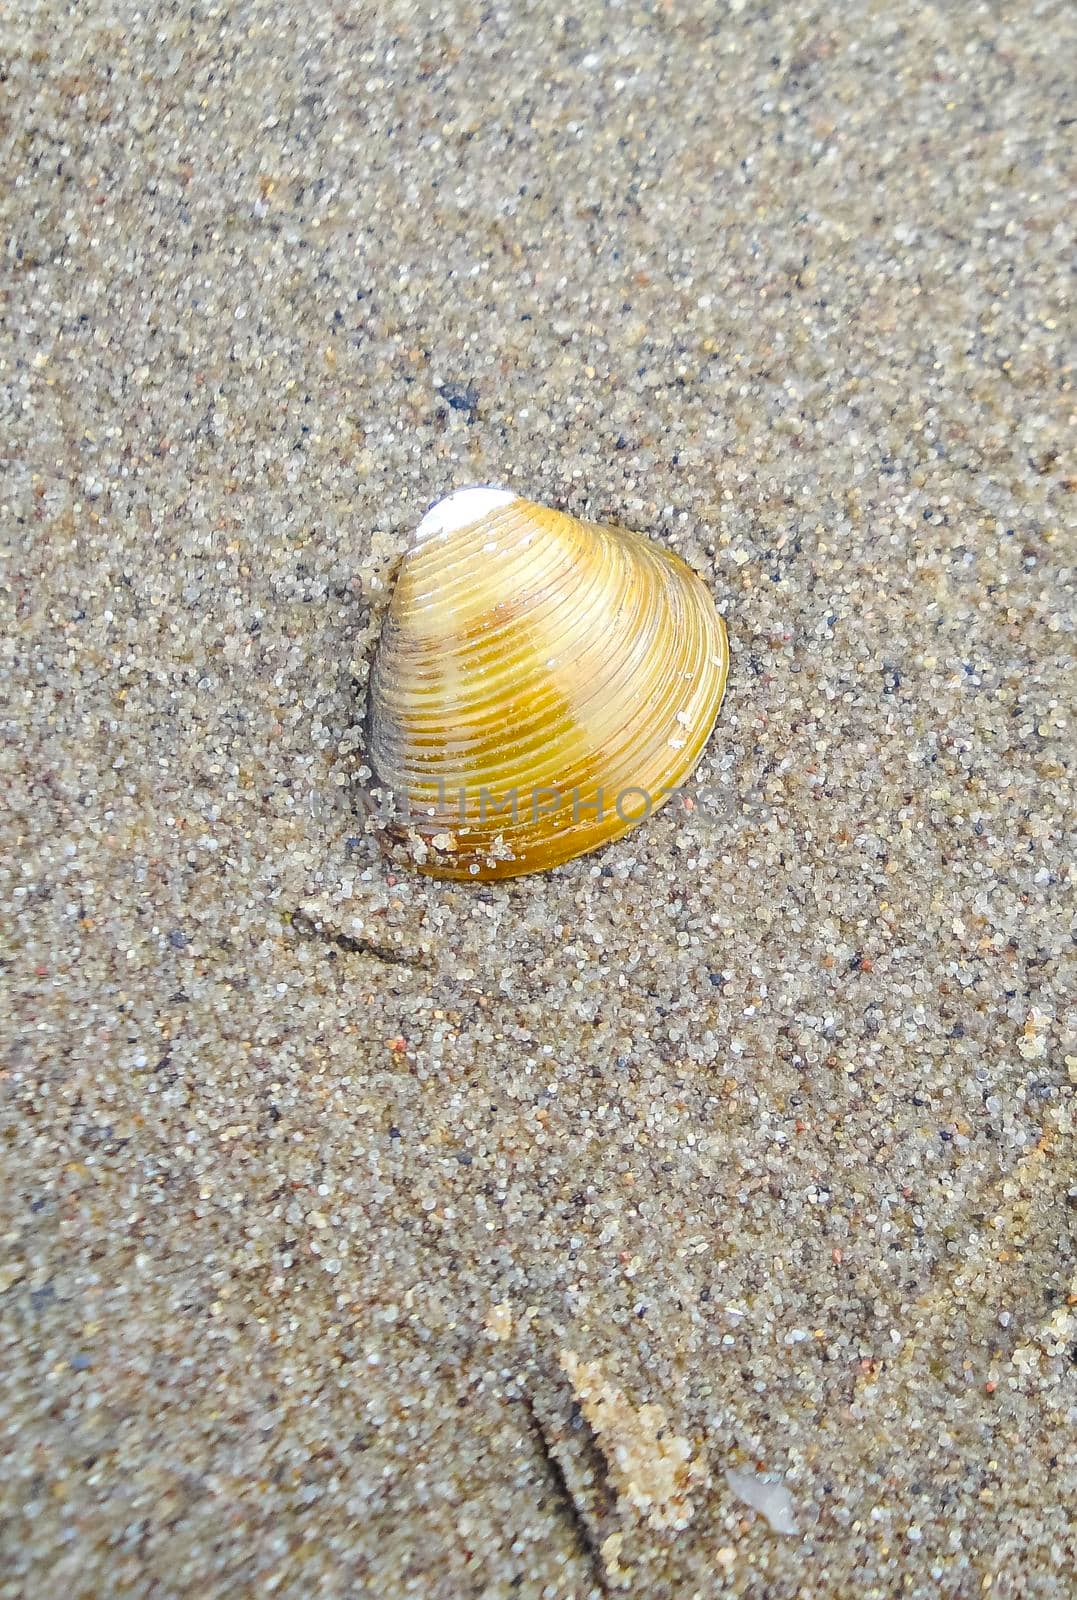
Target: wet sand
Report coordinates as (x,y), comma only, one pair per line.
(352,1223)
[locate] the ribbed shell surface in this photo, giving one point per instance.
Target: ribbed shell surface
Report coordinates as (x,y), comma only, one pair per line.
(540,685)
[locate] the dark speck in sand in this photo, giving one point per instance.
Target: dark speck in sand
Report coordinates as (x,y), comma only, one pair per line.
(463,397)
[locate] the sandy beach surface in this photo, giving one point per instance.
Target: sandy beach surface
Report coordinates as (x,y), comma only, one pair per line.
(362,1235)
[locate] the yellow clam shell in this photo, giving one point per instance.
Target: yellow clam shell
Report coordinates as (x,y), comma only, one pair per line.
(541,684)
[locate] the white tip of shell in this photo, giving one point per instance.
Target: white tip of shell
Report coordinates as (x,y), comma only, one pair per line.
(459,509)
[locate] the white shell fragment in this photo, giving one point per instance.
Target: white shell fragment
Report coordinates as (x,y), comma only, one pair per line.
(768,1496)
(459,510)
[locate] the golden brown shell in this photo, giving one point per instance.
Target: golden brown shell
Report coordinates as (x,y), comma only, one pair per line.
(541,684)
